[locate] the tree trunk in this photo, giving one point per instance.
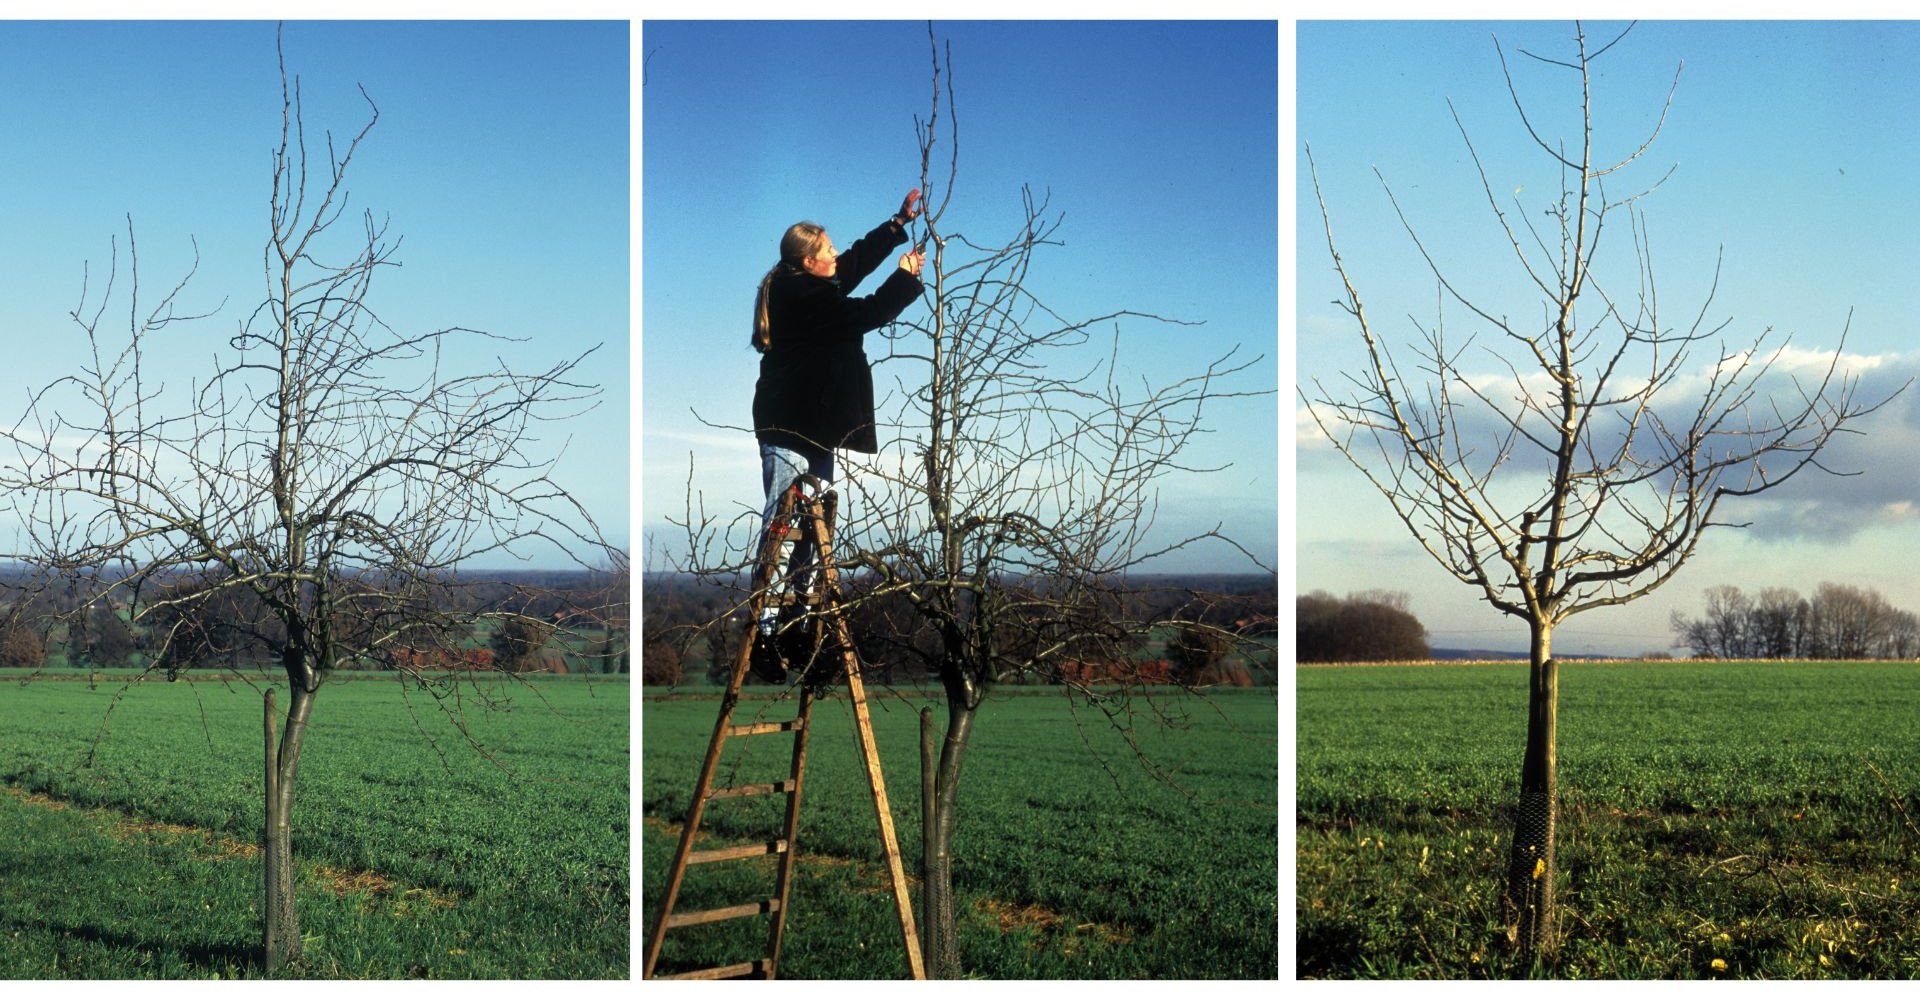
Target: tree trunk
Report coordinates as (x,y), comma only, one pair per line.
(1529,910)
(282,938)
(929,793)
(942,954)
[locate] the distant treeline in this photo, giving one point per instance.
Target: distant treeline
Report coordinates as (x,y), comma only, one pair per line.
(690,629)
(562,621)
(1839,622)
(1371,626)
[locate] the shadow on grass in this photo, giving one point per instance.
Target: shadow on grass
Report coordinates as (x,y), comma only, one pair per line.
(239,958)
(1326,947)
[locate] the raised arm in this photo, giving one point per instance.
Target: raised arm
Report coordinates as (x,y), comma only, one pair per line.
(866,254)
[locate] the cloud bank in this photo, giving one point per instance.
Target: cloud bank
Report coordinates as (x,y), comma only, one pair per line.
(1871,477)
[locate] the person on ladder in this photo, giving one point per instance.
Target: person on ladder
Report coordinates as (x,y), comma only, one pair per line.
(815,392)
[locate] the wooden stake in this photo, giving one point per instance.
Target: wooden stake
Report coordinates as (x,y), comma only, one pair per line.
(272,912)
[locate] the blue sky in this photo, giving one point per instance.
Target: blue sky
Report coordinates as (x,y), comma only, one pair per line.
(1794,149)
(502,155)
(1158,141)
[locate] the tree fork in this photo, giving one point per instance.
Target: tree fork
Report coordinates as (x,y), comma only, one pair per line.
(322,419)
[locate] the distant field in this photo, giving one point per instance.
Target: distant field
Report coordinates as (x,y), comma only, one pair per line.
(1762,816)
(414,861)
(1063,870)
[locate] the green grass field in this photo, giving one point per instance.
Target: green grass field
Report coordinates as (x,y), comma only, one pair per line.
(1716,820)
(417,856)
(1063,869)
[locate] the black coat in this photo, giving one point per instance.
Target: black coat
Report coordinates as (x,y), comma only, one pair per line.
(816,391)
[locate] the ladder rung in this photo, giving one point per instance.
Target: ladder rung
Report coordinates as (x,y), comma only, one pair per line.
(766,849)
(762,728)
(757,967)
(750,790)
(716,915)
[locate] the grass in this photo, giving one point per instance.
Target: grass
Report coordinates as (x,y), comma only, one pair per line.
(417,856)
(1063,869)
(1716,821)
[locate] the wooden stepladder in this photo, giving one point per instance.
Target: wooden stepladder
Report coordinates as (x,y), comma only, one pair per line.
(824,647)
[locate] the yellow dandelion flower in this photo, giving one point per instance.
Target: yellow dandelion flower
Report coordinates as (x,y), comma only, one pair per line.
(1719,964)
(1539,867)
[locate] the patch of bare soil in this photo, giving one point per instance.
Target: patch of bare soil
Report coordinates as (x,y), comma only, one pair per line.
(1011,916)
(342,882)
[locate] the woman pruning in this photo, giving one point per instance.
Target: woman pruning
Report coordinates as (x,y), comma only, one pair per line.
(815,392)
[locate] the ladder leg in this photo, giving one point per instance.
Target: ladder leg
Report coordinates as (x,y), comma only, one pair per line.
(769,556)
(896,871)
(657,936)
(836,621)
(783,881)
(815,525)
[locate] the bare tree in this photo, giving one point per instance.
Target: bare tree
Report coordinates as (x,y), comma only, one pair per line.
(1728,613)
(1779,623)
(1841,622)
(1587,473)
(1014,493)
(1901,635)
(1848,621)
(1732,627)
(335,472)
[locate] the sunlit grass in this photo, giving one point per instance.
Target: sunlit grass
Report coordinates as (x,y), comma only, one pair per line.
(419,857)
(1062,869)
(1716,821)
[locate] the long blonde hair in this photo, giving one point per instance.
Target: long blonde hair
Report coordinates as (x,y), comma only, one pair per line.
(802,240)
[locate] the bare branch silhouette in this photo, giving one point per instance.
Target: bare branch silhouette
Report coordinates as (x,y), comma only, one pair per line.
(320,491)
(1577,461)
(999,533)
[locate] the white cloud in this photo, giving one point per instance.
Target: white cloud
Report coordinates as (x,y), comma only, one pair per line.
(1306,431)
(1792,359)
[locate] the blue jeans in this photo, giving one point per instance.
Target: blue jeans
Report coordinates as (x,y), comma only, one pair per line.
(778,467)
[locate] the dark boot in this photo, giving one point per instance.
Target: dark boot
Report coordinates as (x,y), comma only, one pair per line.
(766,661)
(811,647)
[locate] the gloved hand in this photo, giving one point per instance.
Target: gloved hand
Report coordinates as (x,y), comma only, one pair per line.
(909,208)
